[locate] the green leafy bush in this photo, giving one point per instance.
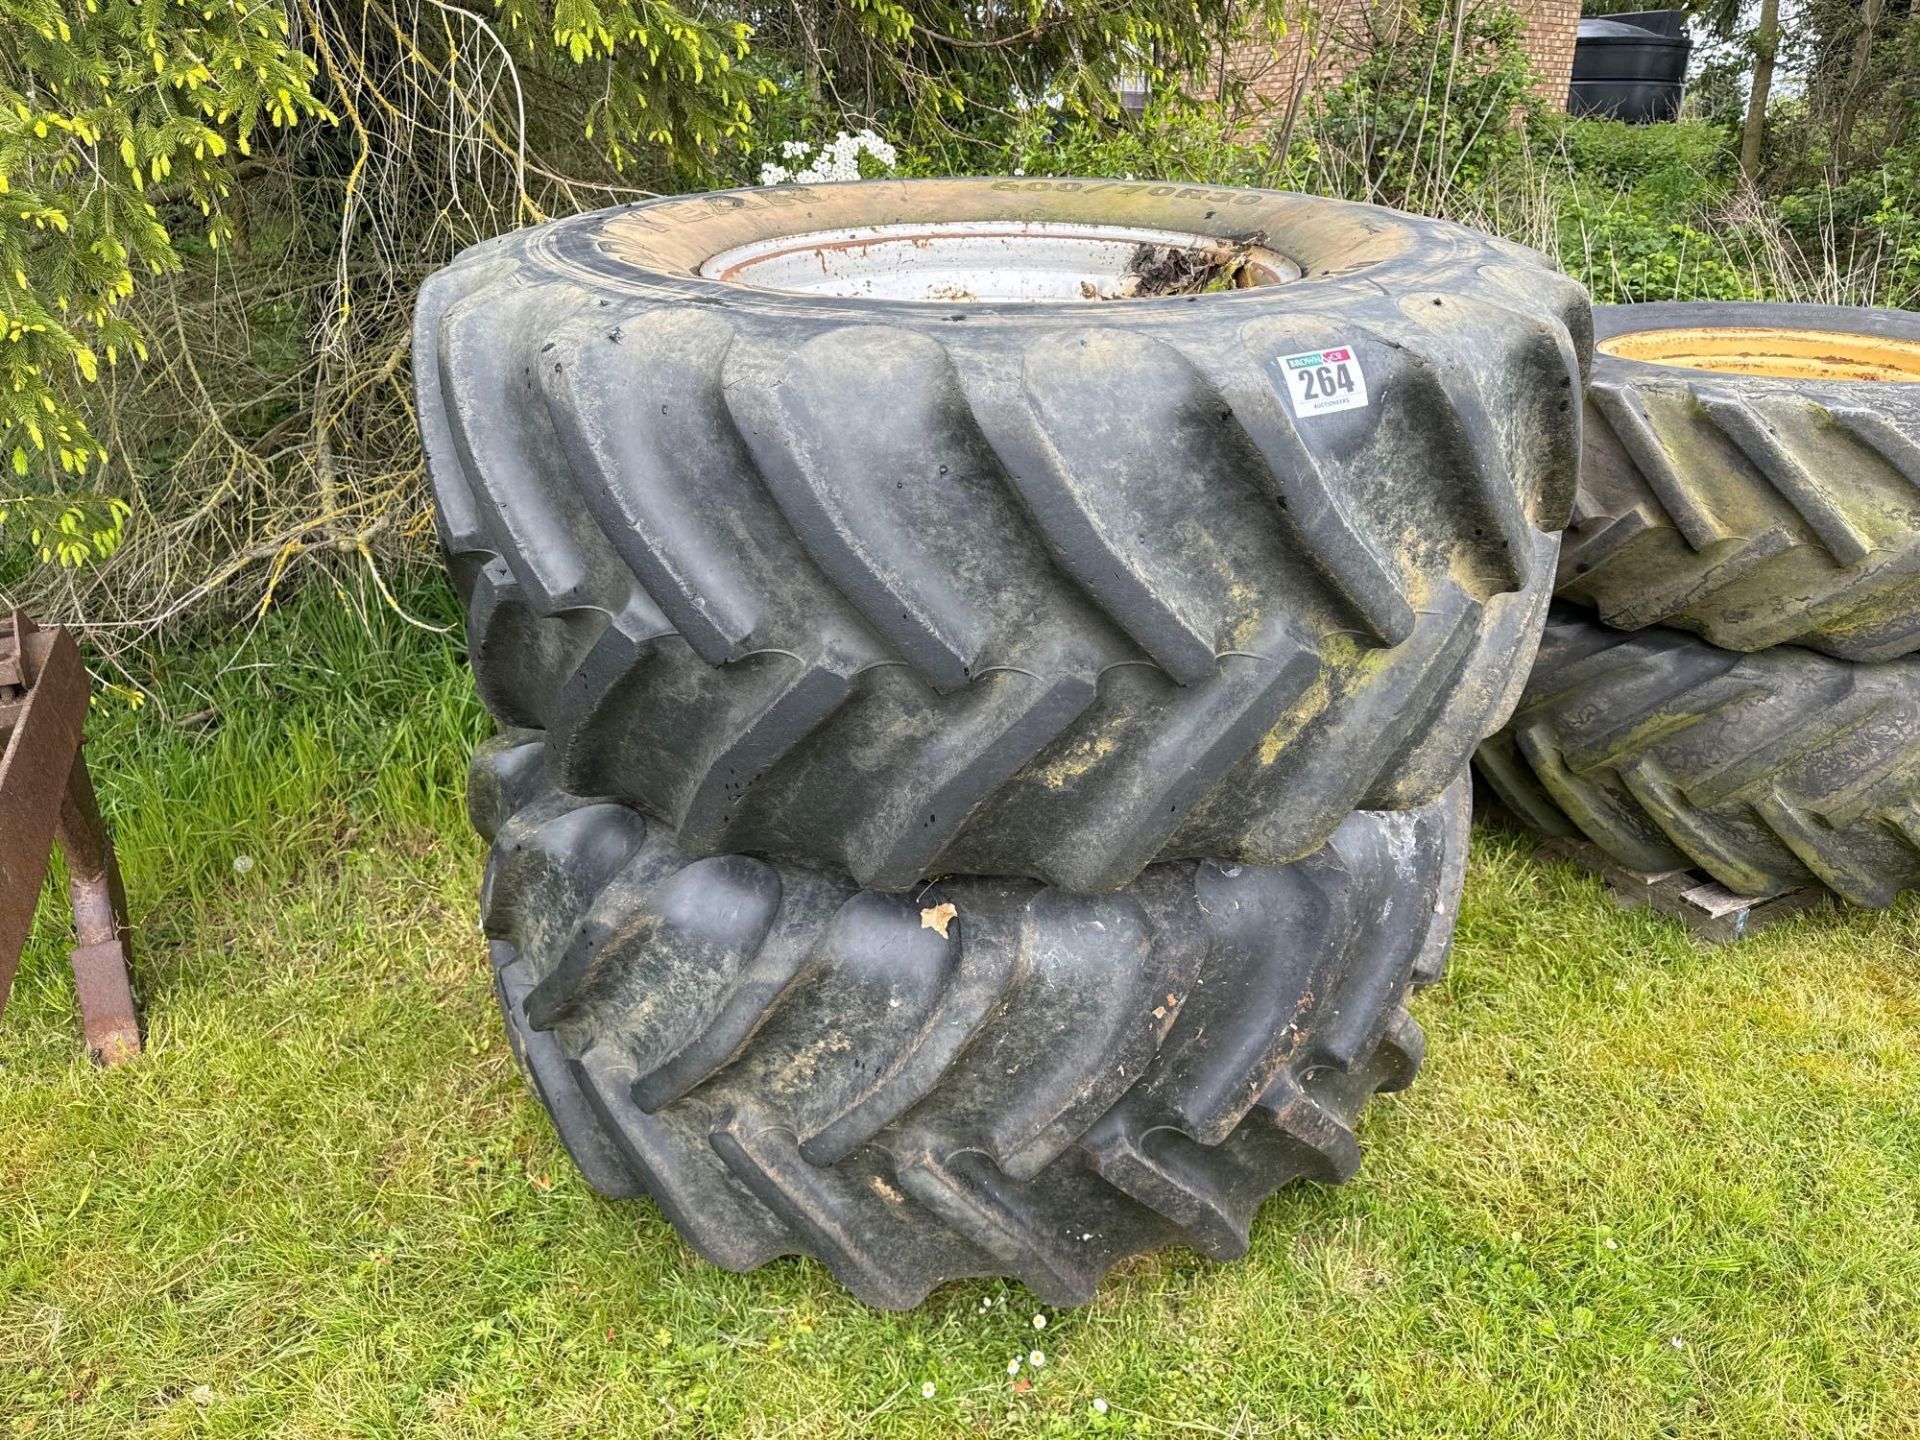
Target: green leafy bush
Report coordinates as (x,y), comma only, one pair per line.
(1627,252)
(120,123)
(1172,140)
(1636,217)
(669,87)
(955,83)
(1687,163)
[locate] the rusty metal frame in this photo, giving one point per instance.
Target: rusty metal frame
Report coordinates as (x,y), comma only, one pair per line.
(46,794)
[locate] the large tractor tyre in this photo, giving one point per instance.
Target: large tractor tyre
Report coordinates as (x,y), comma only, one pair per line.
(1752,474)
(1768,771)
(792,544)
(990,1077)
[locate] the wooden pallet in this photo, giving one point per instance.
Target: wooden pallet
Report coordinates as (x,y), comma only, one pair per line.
(1714,914)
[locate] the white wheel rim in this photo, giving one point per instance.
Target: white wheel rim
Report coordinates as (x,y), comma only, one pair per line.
(994,260)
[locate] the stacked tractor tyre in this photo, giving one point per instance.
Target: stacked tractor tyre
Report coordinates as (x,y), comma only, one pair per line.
(986,672)
(1730,679)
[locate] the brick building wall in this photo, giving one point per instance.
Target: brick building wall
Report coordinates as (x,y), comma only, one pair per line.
(1552,27)
(1330,38)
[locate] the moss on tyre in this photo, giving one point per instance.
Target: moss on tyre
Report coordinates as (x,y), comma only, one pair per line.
(909,586)
(1768,771)
(1027,1083)
(1752,473)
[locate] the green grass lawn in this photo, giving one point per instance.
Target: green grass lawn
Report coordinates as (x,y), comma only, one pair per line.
(1641,1189)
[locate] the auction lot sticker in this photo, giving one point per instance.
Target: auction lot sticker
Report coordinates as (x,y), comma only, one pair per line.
(1320,382)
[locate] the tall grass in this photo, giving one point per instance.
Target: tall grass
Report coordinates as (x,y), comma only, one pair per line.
(328,724)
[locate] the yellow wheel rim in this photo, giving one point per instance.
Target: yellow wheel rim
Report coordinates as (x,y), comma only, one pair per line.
(1772,350)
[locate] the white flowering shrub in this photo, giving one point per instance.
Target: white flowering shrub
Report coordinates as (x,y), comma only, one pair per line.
(841,158)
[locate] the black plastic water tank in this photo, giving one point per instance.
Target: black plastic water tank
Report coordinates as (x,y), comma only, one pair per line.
(1631,67)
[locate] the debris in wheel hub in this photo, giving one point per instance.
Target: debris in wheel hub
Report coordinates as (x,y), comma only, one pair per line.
(1162,270)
